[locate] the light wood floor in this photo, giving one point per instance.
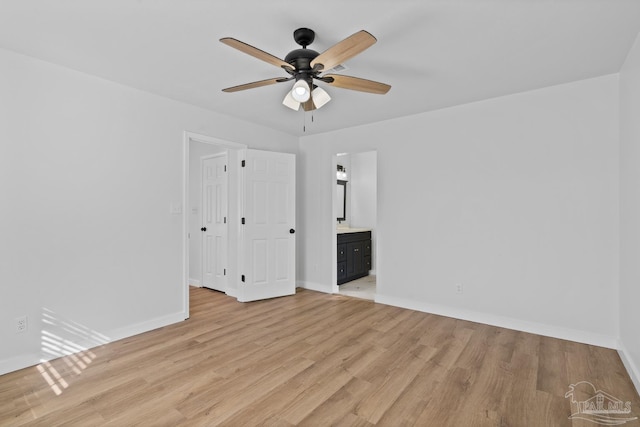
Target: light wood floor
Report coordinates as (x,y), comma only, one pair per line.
(314,359)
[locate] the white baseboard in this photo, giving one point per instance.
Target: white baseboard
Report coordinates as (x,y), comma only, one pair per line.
(27,360)
(576,335)
(315,287)
(629,364)
(146,326)
(195,282)
(18,362)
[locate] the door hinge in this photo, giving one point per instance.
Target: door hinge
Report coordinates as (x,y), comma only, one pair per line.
(225,219)
(242,278)
(243,163)
(224,271)
(225,168)
(242,220)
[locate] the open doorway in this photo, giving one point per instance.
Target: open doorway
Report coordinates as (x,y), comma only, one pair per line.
(211,207)
(260,219)
(356,198)
(197,149)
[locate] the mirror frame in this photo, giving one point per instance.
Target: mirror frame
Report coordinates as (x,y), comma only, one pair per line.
(344,200)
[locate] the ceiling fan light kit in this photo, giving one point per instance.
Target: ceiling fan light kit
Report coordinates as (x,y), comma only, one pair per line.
(306,65)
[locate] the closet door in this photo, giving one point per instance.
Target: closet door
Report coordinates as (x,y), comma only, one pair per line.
(214,222)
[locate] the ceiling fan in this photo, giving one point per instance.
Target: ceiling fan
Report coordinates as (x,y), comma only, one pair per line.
(306,65)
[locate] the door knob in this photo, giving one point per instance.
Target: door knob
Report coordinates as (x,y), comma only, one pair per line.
(203,229)
(292,231)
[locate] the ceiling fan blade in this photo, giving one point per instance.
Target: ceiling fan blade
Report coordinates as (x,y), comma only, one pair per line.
(356,83)
(341,51)
(255,52)
(255,84)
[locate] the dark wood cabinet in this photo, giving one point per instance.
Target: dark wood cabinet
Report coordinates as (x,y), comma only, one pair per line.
(354,256)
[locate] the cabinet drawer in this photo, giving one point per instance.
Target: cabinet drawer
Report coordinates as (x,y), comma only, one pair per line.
(366,263)
(354,237)
(342,252)
(366,249)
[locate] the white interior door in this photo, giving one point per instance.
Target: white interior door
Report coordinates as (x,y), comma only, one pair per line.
(269,243)
(214,222)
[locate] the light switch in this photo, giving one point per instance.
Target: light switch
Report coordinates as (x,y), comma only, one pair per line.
(176,208)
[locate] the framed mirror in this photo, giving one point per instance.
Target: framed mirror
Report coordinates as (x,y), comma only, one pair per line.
(341,206)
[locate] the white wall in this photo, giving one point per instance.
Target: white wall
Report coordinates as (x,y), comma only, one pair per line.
(514,197)
(630,211)
(88,171)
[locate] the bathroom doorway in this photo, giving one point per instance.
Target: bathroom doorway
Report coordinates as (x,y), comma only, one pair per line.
(356,220)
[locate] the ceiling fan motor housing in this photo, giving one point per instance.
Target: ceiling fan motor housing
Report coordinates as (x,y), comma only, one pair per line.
(301,59)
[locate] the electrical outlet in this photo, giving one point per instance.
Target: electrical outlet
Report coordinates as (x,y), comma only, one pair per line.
(459,289)
(21,324)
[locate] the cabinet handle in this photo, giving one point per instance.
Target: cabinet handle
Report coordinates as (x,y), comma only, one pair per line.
(356,250)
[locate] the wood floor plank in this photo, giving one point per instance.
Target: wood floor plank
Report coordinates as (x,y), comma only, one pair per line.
(340,405)
(314,359)
(521,389)
(415,397)
(448,400)
(386,391)
(552,366)
(238,397)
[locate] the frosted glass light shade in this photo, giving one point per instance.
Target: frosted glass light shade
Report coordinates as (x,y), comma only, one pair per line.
(320,97)
(290,102)
(301,91)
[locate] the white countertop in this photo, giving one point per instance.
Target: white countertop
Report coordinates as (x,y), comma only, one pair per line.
(344,230)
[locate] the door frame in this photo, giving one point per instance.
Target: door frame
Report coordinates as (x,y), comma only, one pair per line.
(234,150)
(335,288)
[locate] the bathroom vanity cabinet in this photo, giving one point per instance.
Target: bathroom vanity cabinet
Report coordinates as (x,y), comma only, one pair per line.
(354,255)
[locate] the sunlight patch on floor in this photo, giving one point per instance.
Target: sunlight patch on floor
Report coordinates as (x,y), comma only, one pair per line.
(68,341)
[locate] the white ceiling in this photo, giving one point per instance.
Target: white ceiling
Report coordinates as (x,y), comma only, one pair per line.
(434,54)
